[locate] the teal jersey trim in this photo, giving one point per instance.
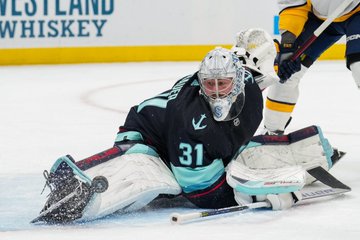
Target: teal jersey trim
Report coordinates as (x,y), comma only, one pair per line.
(326,146)
(141,148)
(157,102)
(166,94)
(77,171)
(265,190)
(130,135)
(195,83)
(193,179)
(249,145)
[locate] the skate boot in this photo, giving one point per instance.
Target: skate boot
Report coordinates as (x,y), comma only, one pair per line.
(70,192)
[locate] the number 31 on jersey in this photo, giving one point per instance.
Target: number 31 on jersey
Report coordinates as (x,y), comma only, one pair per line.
(190,154)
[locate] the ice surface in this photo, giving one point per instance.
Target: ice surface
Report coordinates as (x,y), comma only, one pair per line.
(50,111)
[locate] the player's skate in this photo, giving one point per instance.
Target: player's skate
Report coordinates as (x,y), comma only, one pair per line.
(70,192)
(278,132)
(337,155)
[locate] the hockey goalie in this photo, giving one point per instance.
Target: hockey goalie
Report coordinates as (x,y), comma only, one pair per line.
(195,140)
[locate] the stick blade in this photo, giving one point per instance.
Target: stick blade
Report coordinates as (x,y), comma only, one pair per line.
(326,178)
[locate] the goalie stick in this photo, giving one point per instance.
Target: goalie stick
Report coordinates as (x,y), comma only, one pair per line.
(177,218)
(336,187)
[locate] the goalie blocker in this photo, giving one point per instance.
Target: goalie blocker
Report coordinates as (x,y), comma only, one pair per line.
(275,168)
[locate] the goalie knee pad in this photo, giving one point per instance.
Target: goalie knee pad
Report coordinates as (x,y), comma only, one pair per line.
(134,180)
(306,147)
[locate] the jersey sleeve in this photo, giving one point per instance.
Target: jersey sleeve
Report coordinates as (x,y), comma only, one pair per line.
(144,122)
(149,121)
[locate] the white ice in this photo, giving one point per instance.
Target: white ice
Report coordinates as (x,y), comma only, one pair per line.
(50,111)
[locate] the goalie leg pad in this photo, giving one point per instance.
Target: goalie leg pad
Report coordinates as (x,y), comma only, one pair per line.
(134,181)
(125,177)
(263,181)
(306,147)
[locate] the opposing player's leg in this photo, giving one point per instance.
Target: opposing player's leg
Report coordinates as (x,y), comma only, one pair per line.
(282,98)
(132,173)
(353,47)
(355,69)
(280,103)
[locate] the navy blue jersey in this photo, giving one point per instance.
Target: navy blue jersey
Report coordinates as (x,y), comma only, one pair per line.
(349,27)
(180,126)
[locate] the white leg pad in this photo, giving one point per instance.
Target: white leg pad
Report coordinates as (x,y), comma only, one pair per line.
(309,152)
(134,181)
(263,181)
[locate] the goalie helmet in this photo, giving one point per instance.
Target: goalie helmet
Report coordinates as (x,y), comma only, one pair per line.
(221,79)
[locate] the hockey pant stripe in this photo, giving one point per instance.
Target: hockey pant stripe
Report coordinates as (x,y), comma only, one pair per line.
(218,195)
(209,191)
(279,106)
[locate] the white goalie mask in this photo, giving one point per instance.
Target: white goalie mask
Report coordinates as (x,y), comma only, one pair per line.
(221,79)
